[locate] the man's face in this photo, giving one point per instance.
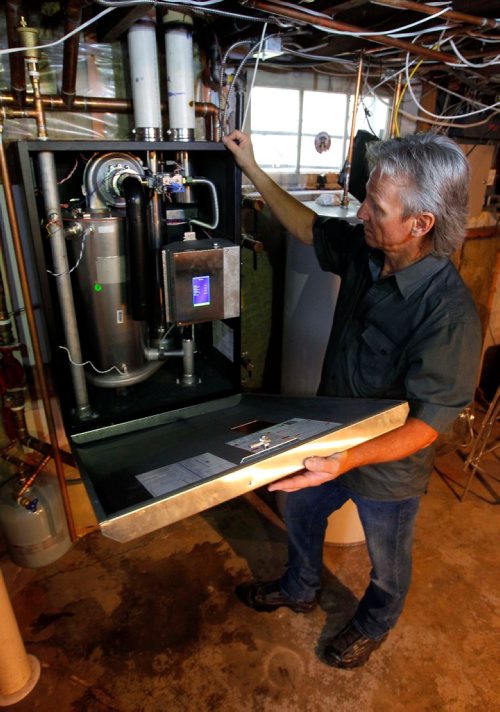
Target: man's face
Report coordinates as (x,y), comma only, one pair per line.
(382,216)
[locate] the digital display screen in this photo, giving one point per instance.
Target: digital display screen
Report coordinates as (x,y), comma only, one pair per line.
(201,291)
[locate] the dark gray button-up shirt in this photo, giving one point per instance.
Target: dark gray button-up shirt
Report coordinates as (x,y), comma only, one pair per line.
(414,335)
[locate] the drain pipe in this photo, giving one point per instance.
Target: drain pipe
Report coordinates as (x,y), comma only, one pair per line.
(19,672)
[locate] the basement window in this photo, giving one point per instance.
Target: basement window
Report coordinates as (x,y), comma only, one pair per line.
(284,123)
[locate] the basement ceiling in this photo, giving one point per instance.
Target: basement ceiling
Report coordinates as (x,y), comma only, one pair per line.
(451,46)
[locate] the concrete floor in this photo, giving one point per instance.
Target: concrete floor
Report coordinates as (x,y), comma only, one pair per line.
(154,626)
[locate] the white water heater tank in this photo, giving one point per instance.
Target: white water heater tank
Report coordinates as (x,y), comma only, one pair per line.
(36,536)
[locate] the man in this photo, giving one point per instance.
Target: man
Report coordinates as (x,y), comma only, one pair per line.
(405,327)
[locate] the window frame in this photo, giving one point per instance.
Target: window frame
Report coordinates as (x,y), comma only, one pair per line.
(300,136)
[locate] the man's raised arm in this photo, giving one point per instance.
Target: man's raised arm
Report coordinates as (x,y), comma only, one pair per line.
(295,217)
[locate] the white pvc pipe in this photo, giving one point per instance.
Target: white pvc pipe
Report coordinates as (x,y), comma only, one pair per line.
(19,672)
(142,48)
(180,75)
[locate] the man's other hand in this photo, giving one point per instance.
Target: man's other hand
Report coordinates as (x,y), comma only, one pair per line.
(318,470)
(240,145)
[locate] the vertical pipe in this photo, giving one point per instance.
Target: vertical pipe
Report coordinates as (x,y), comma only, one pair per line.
(16,61)
(72,20)
(188,377)
(395,106)
(142,47)
(30,316)
(184,162)
(63,280)
(180,75)
(345,196)
(19,672)
(157,322)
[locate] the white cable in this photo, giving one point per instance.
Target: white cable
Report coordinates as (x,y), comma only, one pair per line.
(235,77)
(472,64)
(69,271)
(81,27)
(385,33)
(427,31)
(264,29)
(413,117)
(436,116)
(320,58)
(89,363)
(459,96)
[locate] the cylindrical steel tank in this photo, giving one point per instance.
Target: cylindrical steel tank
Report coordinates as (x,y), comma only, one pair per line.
(109,335)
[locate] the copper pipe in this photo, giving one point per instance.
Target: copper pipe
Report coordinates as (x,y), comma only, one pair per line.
(461,17)
(210,113)
(30,316)
(205,108)
(83,103)
(34,74)
(16,60)
(72,19)
(46,449)
(394,108)
(17,408)
(20,114)
(277,9)
(86,103)
(33,477)
(345,195)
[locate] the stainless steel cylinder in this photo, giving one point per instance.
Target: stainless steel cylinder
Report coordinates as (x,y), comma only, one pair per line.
(110,336)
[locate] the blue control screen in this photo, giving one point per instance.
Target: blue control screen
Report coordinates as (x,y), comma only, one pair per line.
(201,291)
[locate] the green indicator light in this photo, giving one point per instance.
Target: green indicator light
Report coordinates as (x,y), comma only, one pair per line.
(97,287)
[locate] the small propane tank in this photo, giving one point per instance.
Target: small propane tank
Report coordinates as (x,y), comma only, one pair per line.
(35,529)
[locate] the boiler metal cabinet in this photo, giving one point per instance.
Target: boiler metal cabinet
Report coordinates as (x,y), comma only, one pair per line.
(167,446)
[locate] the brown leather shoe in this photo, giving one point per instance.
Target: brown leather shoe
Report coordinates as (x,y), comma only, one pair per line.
(350,648)
(267,596)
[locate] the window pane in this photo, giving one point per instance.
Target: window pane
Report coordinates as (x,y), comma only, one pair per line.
(275,152)
(274,109)
(324,111)
(311,160)
(377,118)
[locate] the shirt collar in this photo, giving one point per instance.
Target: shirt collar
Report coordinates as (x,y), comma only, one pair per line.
(409,278)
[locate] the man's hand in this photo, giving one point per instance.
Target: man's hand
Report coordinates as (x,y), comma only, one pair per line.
(241,147)
(318,470)
(397,444)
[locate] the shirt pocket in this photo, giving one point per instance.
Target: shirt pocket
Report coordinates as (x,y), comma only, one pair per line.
(376,363)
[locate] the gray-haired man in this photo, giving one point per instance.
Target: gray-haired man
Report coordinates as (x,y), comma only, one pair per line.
(405,327)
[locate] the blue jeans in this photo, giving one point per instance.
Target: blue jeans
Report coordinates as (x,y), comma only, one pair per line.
(388,528)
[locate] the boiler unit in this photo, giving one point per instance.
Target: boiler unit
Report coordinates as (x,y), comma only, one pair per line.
(137,248)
